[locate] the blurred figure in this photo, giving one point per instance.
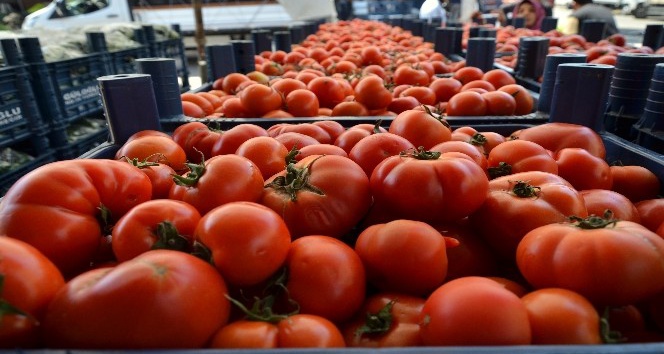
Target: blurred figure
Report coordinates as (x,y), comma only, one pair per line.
(433,9)
(531,11)
(587,10)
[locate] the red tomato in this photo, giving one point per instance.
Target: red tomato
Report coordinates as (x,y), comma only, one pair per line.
(260,99)
(519,203)
(651,213)
(455,187)
(296,331)
(155,224)
(386,320)
(232,138)
(524,101)
(583,170)
(557,136)
(220,180)
(154,148)
(499,78)
(445,88)
(499,103)
(248,241)
(335,186)
(135,299)
(336,295)
(328,90)
(610,262)
(320,149)
(267,153)
(561,316)
(635,182)
(403,256)
(197,140)
(372,93)
(302,103)
(69,197)
(315,131)
(372,149)
(463,147)
(28,283)
(350,137)
(468,74)
(160,175)
(515,156)
(472,257)
(421,128)
(466,103)
(599,201)
(474,311)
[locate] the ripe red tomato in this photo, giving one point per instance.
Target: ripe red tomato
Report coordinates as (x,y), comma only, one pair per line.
(302,103)
(455,187)
(320,149)
(328,90)
(462,147)
(160,175)
(220,180)
(474,311)
(350,137)
(135,299)
(69,230)
(154,148)
(372,149)
(248,241)
(557,136)
(499,78)
(583,170)
(561,316)
(372,93)
(28,283)
(313,130)
(468,74)
(296,331)
(421,128)
(599,201)
(472,257)
(445,88)
(524,101)
(155,224)
(268,153)
(232,138)
(635,182)
(386,320)
(403,256)
(336,295)
(610,262)
(334,186)
(521,202)
(466,103)
(651,213)
(515,156)
(197,140)
(499,103)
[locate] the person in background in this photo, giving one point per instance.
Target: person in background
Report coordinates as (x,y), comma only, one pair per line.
(587,10)
(531,11)
(431,9)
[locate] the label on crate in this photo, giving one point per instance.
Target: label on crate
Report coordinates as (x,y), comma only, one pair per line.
(80,95)
(10,116)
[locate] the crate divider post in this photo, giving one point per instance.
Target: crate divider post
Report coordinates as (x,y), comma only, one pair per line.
(97,43)
(164,86)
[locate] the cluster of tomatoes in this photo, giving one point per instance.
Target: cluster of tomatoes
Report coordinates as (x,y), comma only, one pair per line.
(316,234)
(358,68)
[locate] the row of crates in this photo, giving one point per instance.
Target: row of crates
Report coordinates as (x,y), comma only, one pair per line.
(53,110)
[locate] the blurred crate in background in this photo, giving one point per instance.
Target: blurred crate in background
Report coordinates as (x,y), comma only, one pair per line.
(172,48)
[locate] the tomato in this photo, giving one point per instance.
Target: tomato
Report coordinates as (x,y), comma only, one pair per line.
(403,256)
(69,198)
(231,81)
(635,182)
(155,224)
(197,140)
(423,94)
(267,153)
(154,148)
(302,103)
(135,299)
(455,187)
(466,103)
(468,74)
(296,331)
(219,180)
(421,128)
(372,93)
(293,140)
(499,78)
(332,127)
(561,316)
(328,90)
(463,147)
(515,156)
(336,295)
(557,136)
(403,103)
(248,242)
(372,149)
(407,74)
(472,257)
(315,131)
(499,103)
(610,262)
(160,175)
(474,311)
(320,149)
(28,283)
(445,88)
(334,186)
(386,320)
(598,201)
(521,202)
(232,138)
(583,170)
(651,213)
(478,84)
(524,101)
(198,100)
(350,137)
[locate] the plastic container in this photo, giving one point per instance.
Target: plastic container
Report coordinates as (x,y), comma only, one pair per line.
(282,41)
(593,30)
(447,40)
(580,94)
(220,60)
(653,36)
(262,39)
(120,61)
(297,33)
(170,48)
(531,57)
(549,23)
(549,76)
(481,52)
(519,22)
(243,52)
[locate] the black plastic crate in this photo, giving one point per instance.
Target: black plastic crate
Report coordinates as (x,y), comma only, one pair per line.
(124,61)
(22,157)
(172,48)
(18,112)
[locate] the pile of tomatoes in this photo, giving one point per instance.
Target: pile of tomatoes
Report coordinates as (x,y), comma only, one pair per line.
(358,68)
(315,234)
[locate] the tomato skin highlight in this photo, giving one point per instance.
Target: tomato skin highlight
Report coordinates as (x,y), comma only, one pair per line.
(146,303)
